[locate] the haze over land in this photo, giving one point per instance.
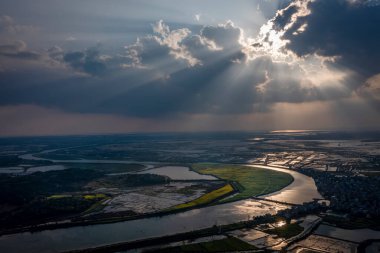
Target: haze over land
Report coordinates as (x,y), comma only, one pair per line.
(69,67)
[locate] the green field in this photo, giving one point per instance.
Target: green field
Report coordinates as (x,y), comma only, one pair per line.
(59,196)
(251,181)
(224,245)
(94,196)
(208,197)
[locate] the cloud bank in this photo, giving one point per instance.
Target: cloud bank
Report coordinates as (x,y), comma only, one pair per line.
(311,51)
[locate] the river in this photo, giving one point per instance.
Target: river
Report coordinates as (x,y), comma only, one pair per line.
(302,189)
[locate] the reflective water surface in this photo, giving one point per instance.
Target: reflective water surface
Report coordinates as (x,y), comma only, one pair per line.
(178,173)
(302,189)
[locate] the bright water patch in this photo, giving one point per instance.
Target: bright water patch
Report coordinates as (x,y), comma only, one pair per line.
(178,173)
(302,189)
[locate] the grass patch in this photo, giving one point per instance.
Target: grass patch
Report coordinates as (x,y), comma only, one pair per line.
(59,196)
(251,181)
(207,198)
(86,197)
(224,245)
(94,196)
(286,231)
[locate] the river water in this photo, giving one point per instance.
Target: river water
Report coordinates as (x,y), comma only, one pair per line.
(303,188)
(178,173)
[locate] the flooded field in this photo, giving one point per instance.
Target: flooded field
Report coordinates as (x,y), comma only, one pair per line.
(323,244)
(256,238)
(153,198)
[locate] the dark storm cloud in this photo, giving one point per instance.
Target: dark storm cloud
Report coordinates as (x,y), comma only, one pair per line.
(284,17)
(348,30)
(87,61)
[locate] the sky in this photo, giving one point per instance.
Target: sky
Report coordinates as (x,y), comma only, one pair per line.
(120,66)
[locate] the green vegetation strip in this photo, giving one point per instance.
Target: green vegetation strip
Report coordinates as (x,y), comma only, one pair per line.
(59,196)
(94,196)
(207,198)
(251,181)
(224,245)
